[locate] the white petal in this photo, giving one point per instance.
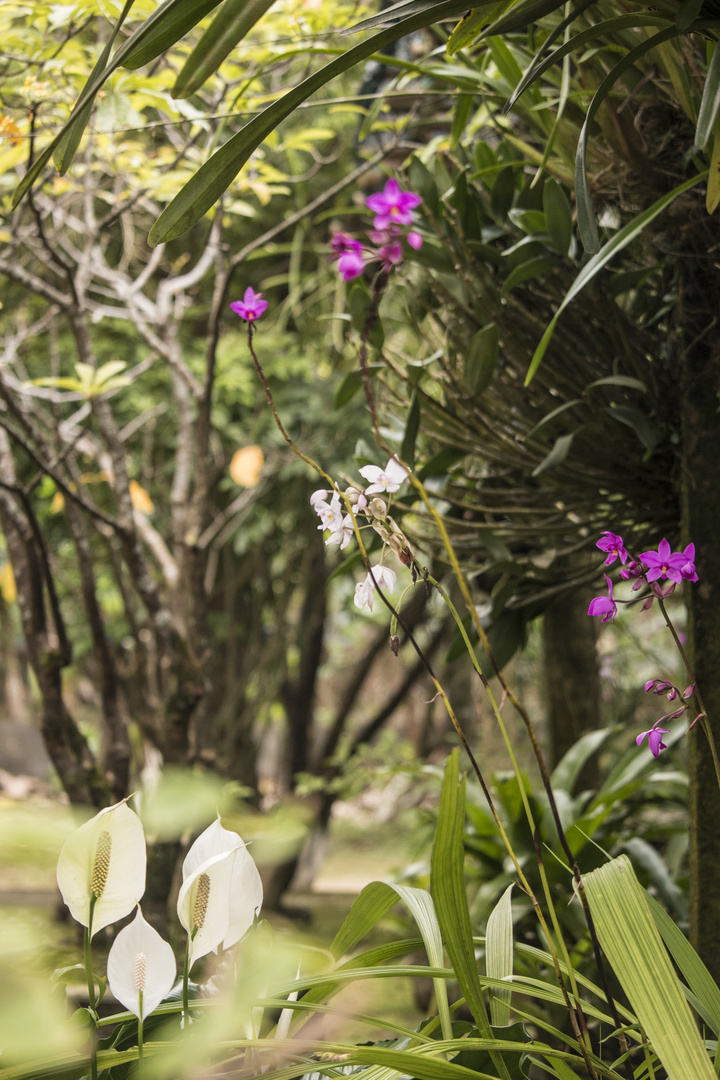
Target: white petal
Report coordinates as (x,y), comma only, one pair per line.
(371,472)
(395,472)
(246,896)
(214,841)
(140,960)
(107,854)
(211,878)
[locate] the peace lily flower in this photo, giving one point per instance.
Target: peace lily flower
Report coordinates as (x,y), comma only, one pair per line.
(101,869)
(388,479)
(221,891)
(141,967)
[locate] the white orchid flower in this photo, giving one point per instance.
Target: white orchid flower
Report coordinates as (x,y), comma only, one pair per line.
(388,479)
(342,533)
(102,867)
(330,514)
(221,891)
(141,967)
(383,576)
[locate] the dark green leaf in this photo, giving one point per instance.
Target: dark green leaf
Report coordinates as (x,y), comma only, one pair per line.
(688,13)
(710,103)
(558,216)
(481,358)
(422,184)
(557,455)
(619,241)
(441,463)
(215,176)
(412,426)
(638,421)
(533,268)
(503,192)
(619,380)
(359,303)
(178,19)
(232,22)
(587,226)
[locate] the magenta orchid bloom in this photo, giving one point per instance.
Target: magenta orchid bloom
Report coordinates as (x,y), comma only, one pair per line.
(604,606)
(350,265)
(654,738)
(392,206)
(664,564)
(688,570)
(343,242)
(251,306)
(614,546)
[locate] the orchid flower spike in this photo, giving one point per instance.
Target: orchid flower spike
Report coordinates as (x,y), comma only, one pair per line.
(101,869)
(141,967)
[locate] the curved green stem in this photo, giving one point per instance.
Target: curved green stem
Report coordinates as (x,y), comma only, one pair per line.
(91,987)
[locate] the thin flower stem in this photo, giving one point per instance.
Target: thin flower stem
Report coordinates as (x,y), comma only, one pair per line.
(91,988)
(185,994)
(140,1033)
(705,724)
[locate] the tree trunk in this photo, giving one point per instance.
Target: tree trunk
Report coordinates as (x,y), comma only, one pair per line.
(700,383)
(572,677)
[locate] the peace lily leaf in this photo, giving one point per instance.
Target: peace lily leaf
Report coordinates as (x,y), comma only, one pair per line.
(140,962)
(105,858)
(210,181)
(620,240)
(632,944)
(245,893)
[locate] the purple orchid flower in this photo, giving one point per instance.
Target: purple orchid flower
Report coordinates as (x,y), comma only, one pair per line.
(688,570)
(350,265)
(604,606)
(654,738)
(614,546)
(251,306)
(663,563)
(392,206)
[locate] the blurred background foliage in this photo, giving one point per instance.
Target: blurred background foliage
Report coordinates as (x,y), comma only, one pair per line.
(170,602)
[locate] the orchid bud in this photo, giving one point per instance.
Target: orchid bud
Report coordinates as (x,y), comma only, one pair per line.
(700,716)
(378,508)
(661,685)
(649,684)
(688,692)
(672,694)
(352,495)
(648,604)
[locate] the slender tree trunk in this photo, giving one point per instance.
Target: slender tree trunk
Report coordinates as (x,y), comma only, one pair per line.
(572,676)
(700,384)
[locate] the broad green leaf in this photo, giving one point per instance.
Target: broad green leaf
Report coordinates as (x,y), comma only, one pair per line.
(693,969)
(712,197)
(177,18)
(631,942)
(423,184)
(375,901)
(412,426)
(571,764)
(469,27)
(639,422)
(560,450)
(216,175)
(447,877)
(620,240)
(558,216)
(232,22)
(533,268)
(503,192)
(499,956)
(598,30)
(688,13)
(710,104)
(481,359)
(646,856)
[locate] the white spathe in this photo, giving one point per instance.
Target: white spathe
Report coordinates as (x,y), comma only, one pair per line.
(140,960)
(105,857)
(231,894)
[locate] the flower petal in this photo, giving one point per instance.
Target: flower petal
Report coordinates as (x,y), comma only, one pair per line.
(203,905)
(140,960)
(105,857)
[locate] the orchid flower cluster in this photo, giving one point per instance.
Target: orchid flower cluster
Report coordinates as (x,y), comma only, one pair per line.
(101,874)
(374,509)
(650,568)
(394,210)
